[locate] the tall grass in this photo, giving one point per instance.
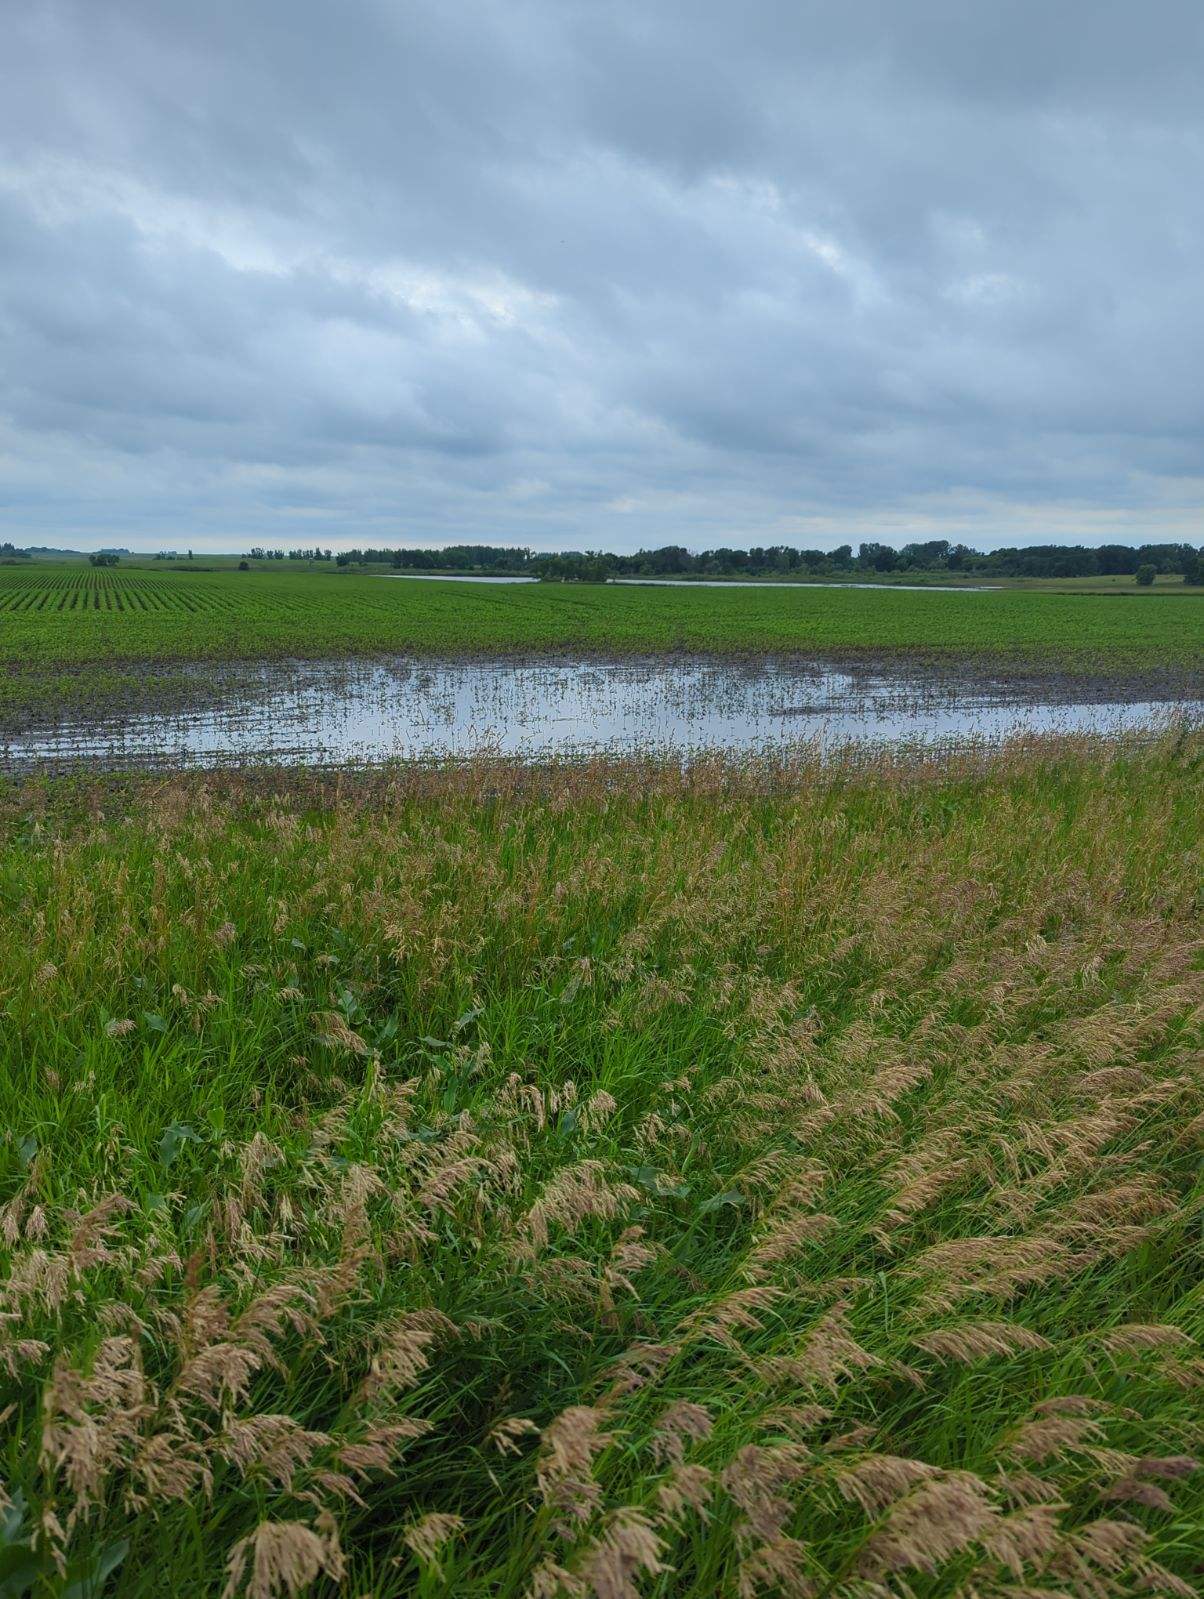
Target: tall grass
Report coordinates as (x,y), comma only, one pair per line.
(607,1182)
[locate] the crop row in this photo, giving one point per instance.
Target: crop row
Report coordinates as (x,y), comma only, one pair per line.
(106,591)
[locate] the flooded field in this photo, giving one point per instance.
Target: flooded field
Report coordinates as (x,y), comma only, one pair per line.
(305,712)
(462,577)
(711,583)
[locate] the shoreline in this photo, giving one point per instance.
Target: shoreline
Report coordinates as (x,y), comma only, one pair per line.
(631,776)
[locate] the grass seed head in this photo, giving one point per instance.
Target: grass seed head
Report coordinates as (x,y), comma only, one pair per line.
(284,1557)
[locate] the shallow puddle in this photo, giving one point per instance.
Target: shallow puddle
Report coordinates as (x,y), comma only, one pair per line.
(368,712)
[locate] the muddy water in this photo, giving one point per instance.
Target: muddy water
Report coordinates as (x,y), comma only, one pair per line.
(350,713)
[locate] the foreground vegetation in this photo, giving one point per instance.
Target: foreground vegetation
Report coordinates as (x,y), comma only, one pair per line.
(69,635)
(607,1182)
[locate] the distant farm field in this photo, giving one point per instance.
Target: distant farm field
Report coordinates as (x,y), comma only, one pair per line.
(68,616)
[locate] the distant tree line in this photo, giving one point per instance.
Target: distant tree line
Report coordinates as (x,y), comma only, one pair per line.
(454,558)
(1061,560)
(258,553)
(1143,562)
(784,560)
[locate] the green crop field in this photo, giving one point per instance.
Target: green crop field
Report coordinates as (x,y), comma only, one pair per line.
(486,1184)
(62,616)
(78,640)
(75,593)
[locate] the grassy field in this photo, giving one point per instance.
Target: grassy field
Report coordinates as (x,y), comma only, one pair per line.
(610,1182)
(55,618)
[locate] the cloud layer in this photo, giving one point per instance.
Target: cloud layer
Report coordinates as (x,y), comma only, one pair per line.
(570,273)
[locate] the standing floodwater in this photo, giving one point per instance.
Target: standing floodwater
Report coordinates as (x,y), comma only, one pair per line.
(324,712)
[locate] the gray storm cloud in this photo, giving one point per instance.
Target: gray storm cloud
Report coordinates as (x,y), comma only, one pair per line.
(561,273)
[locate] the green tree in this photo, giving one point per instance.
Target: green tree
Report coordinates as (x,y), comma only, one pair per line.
(1145,574)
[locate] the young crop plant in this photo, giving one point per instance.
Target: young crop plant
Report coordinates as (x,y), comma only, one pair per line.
(609,1181)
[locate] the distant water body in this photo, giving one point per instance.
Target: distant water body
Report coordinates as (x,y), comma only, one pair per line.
(459,577)
(709,583)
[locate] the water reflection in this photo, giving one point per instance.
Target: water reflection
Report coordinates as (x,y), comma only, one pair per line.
(710,583)
(324,712)
(461,577)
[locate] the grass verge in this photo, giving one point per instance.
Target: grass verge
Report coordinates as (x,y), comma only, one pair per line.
(613,1181)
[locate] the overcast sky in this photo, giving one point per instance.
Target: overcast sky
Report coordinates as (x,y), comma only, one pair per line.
(578,273)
